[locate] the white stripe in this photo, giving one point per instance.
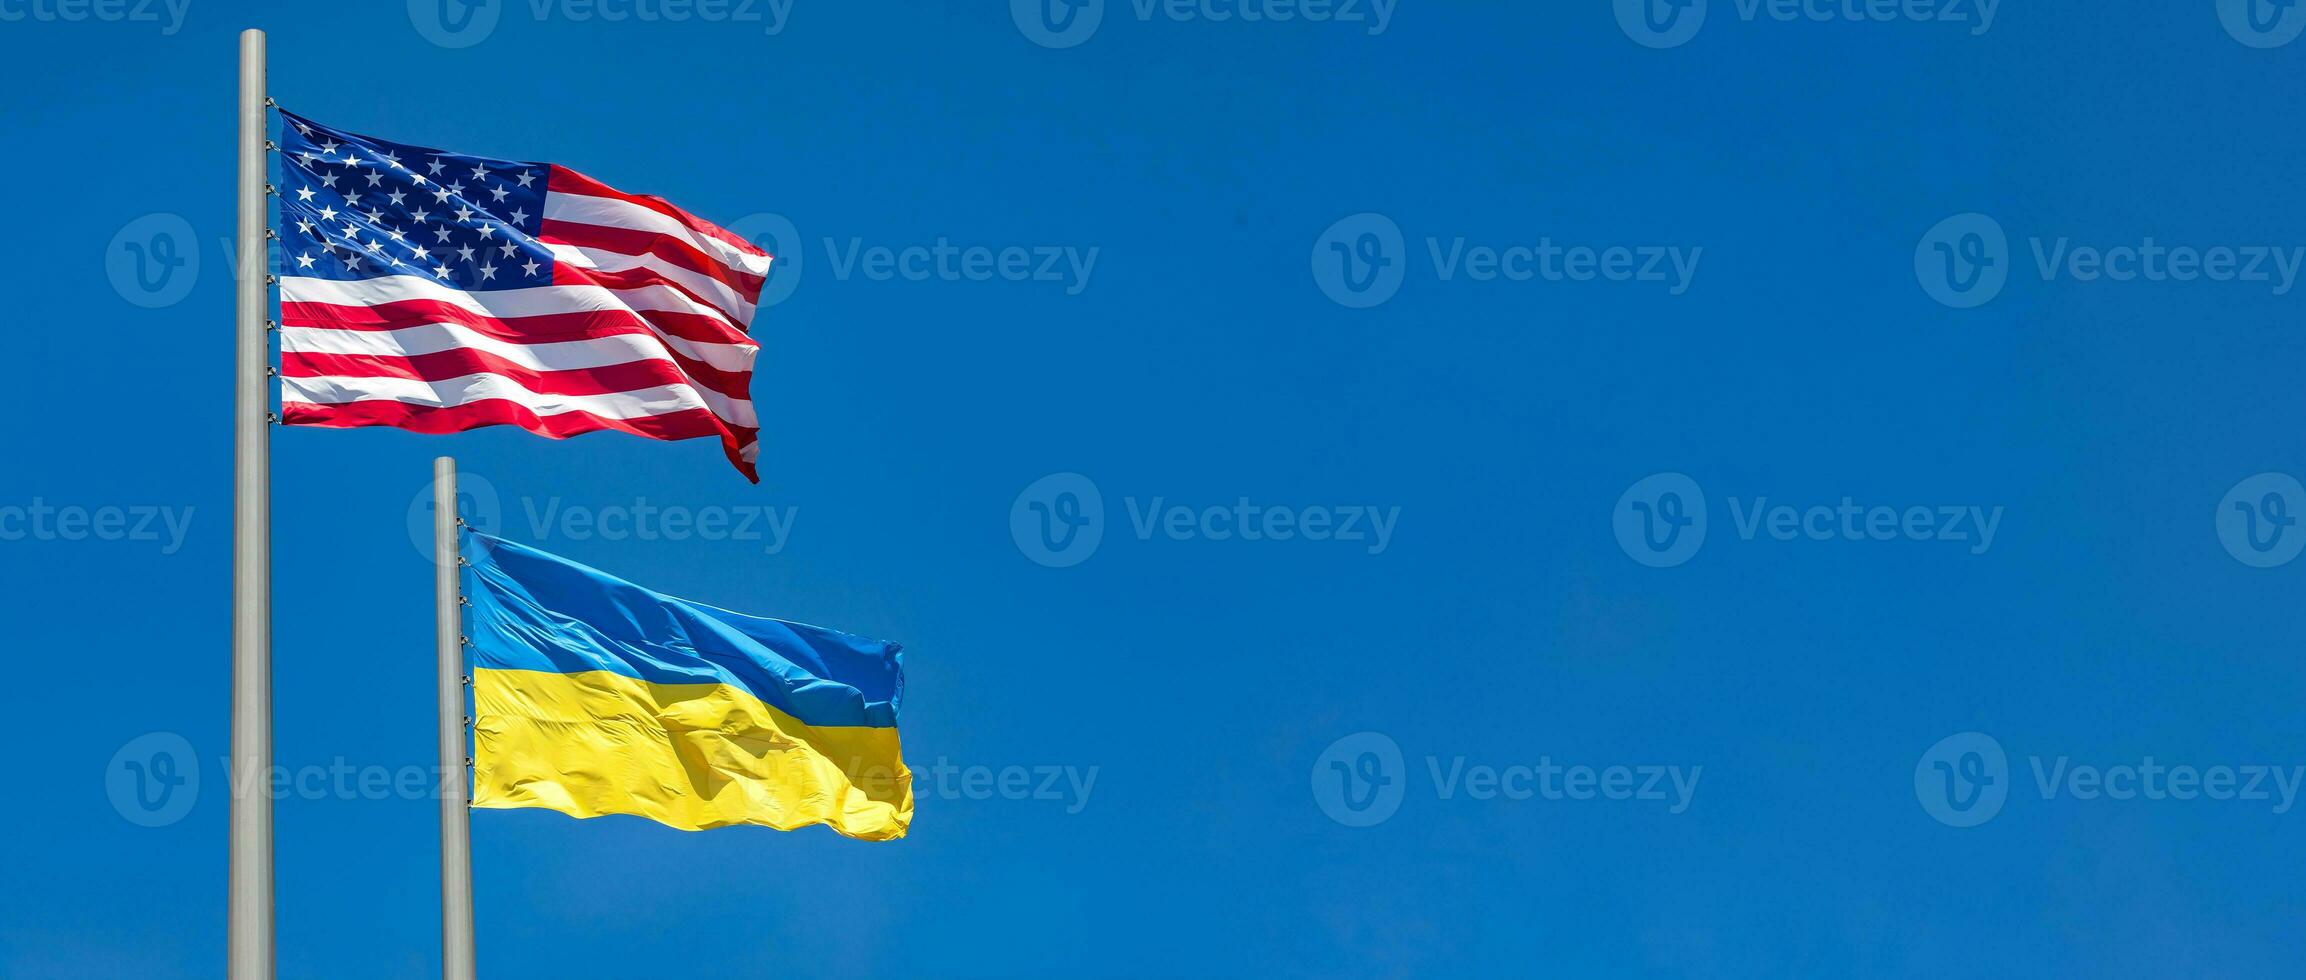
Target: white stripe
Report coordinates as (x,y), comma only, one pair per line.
(718,293)
(641,403)
(568,355)
(512,304)
(611,213)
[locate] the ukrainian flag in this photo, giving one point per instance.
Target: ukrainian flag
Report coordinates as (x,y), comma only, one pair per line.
(593,695)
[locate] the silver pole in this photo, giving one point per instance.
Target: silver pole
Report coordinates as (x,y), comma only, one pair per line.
(456,956)
(249,915)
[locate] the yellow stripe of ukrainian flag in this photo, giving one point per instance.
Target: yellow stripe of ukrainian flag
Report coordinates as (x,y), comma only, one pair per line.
(692,756)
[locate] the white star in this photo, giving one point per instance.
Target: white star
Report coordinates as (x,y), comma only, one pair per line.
(304,227)
(423,253)
(436,167)
(417,179)
(525,177)
(309,157)
(396,196)
(327,148)
(374,178)
(421,216)
(440,195)
(440,234)
(519,216)
(465,253)
(499,192)
(396,235)
(327,214)
(464,214)
(508,249)
(479,172)
(352,232)
(487,272)
(487,231)
(530,267)
(352,259)
(376,217)
(456,189)
(373,246)
(304,193)
(352,197)
(302,128)
(441,271)
(329,179)
(304,261)
(395,161)
(350,160)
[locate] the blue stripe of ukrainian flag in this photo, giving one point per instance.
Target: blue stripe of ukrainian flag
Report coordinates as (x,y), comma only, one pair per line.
(592,695)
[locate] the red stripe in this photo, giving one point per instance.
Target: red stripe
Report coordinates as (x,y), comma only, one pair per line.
(462,361)
(633,241)
(566,181)
(532,330)
(436,420)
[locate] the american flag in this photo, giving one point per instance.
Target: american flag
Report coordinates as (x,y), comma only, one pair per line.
(440,291)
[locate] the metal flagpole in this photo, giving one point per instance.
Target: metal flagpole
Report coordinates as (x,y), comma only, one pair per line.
(249,948)
(456,955)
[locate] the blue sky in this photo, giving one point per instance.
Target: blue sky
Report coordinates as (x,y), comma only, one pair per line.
(1476,275)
